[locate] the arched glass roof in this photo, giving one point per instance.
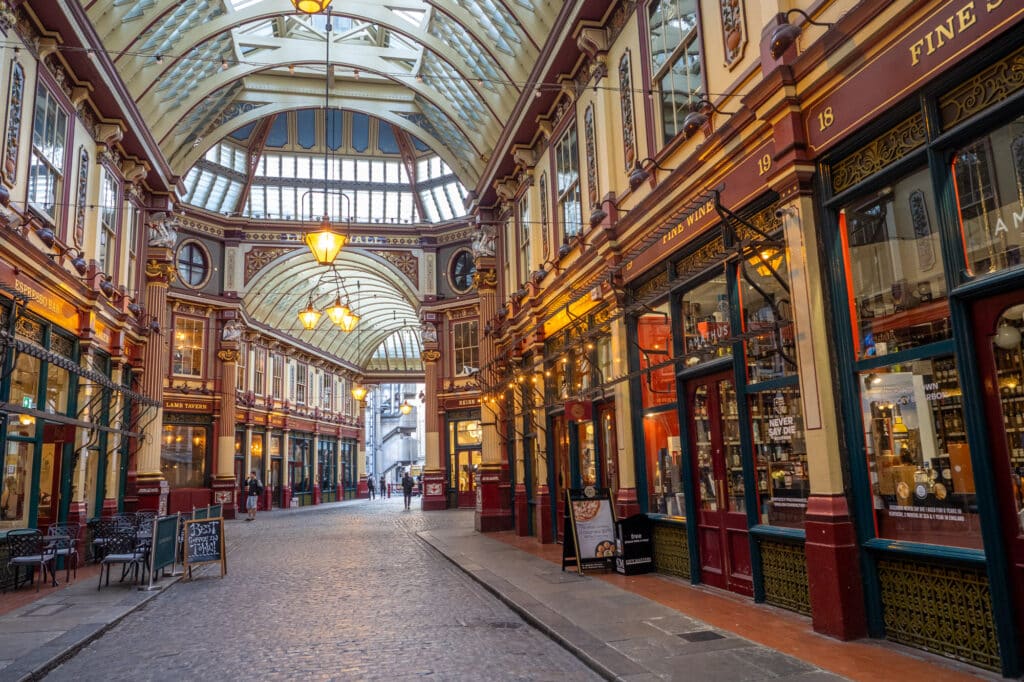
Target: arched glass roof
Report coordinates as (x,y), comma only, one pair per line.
(374,173)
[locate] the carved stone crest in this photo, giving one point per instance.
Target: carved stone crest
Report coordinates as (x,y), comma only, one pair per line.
(163,230)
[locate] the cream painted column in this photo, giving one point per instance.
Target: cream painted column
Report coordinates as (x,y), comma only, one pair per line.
(150,486)
(286,484)
(626,503)
(835,587)
(112,475)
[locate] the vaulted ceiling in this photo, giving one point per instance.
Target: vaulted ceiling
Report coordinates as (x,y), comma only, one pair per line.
(448,72)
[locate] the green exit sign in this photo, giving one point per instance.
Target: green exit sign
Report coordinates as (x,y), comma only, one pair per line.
(26,402)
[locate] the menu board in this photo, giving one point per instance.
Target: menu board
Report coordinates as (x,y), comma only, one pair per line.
(204,544)
(590,529)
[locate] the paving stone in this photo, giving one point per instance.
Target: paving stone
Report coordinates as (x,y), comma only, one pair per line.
(343,593)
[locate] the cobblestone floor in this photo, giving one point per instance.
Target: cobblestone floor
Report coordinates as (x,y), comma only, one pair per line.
(345,593)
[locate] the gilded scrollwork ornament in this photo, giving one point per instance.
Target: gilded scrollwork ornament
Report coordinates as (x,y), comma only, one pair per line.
(160,271)
(228,355)
(485,279)
(430,355)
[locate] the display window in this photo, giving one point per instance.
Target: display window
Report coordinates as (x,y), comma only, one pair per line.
(14,500)
(919,463)
(654,340)
(183,455)
(663,451)
(988,176)
(705,312)
(767,316)
(780,456)
(588,453)
(897,281)
(256,455)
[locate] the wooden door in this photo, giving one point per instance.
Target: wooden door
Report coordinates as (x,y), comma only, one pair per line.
(275,481)
(723,543)
(562,482)
(608,448)
(998,323)
(52,454)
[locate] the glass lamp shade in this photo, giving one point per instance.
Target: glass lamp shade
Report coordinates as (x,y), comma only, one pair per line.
(338,312)
(311,6)
(405,408)
(309,316)
(1007,337)
(325,243)
(349,321)
(767,256)
(359,392)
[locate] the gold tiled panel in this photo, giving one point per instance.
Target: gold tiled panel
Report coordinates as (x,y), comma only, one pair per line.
(784,568)
(943,609)
(671,553)
(994,84)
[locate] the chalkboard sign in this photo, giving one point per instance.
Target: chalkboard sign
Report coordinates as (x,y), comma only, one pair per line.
(590,529)
(204,544)
(165,537)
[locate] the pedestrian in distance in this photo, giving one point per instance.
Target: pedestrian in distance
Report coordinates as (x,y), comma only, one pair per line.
(253,490)
(369,485)
(382,488)
(407,484)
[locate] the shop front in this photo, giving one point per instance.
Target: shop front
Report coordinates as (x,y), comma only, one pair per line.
(927,253)
(464,437)
(348,477)
(327,468)
(300,468)
(186,457)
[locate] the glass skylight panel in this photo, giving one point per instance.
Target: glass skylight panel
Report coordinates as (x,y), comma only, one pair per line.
(391,172)
(362,170)
(257,201)
(482,64)
(273,169)
(362,202)
(348,170)
(413,17)
(273,202)
(306,125)
(302,167)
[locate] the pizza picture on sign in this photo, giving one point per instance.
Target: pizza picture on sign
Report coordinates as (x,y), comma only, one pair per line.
(585,510)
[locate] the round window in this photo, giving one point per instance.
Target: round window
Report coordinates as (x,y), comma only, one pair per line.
(193,264)
(461,271)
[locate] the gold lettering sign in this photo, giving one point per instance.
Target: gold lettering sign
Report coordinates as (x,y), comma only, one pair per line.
(52,307)
(949,29)
(185,405)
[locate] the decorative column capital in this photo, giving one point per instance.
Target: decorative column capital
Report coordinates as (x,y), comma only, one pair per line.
(430,355)
(485,280)
(228,355)
(160,271)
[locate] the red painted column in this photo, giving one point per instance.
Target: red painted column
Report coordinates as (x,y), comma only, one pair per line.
(522,508)
(542,527)
(834,580)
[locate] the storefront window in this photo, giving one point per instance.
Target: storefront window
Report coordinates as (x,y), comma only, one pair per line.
(898,297)
(1009,362)
(767,312)
(17,472)
(183,455)
(25,382)
(300,464)
(780,457)
(588,454)
(988,175)
(57,381)
(188,347)
(918,459)
(706,322)
(654,336)
(256,455)
(664,460)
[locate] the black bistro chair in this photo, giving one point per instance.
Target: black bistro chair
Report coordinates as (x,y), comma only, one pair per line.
(62,541)
(103,529)
(28,548)
(122,547)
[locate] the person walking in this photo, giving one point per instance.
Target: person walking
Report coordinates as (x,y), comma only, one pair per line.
(370,486)
(407,484)
(253,490)
(382,488)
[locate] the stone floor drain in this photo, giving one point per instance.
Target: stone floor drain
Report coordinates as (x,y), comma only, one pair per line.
(701,636)
(505,625)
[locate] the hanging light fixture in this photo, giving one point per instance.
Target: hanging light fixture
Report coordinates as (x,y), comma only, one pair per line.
(405,407)
(325,243)
(311,6)
(338,312)
(767,260)
(309,315)
(359,391)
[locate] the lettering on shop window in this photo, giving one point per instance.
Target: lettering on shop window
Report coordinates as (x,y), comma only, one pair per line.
(781,428)
(949,29)
(932,392)
(936,513)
